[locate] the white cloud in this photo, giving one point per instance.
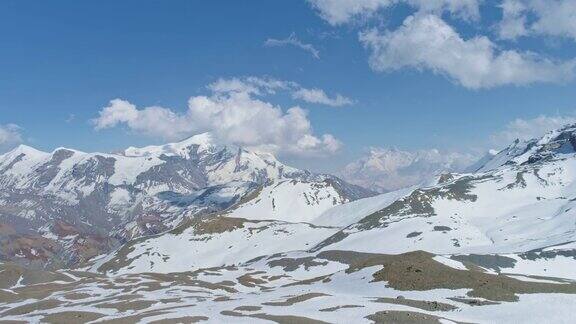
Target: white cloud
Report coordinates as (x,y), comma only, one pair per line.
(70,118)
(337,12)
(152,121)
(320,97)
(391,169)
(465,9)
(427,42)
(526,129)
(252,85)
(547,17)
(557,18)
(264,86)
(233,116)
(292,40)
(513,23)
(10,136)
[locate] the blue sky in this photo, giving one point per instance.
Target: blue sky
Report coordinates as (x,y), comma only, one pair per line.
(62,62)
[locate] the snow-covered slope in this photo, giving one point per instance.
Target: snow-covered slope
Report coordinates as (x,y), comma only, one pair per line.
(292,201)
(331,287)
(522,206)
(523,201)
(211,242)
(269,220)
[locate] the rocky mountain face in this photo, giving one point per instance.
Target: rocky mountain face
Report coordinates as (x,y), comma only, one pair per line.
(64,207)
(467,248)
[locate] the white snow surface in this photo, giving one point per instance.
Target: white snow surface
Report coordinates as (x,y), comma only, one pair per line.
(346,214)
(291,201)
(516,210)
(188,251)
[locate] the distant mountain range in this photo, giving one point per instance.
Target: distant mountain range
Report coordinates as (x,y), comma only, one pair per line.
(196,231)
(387,170)
(65,207)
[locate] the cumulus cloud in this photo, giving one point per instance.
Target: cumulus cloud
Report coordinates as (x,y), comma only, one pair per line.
(337,12)
(263,86)
(526,129)
(426,42)
(513,23)
(10,136)
(292,40)
(538,17)
(233,116)
(152,121)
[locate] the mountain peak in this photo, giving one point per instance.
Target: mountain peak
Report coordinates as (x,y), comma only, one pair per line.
(203,141)
(558,141)
(25,149)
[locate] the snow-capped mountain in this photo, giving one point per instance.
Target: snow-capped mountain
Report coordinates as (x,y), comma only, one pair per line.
(72,205)
(521,200)
(387,170)
(519,205)
(466,248)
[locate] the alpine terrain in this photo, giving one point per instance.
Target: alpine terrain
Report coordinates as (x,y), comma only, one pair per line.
(195,231)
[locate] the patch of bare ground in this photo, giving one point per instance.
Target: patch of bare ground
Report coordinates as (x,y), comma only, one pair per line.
(170,300)
(335,308)
(310,281)
(280,319)
(112,299)
(217,225)
(222,299)
(184,279)
(31,307)
(296,299)
(71,317)
(432,306)
(76,296)
(11,274)
(419,271)
(181,320)
(248,281)
(130,319)
(8,297)
(399,317)
(290,264)
(248,308)
(473,301)
(128,305)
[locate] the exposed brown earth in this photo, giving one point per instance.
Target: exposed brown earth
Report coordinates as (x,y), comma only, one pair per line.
(432,306)
(399,317)
(419,271)
(335,308)
(280,319)
(296,299)
(72,317)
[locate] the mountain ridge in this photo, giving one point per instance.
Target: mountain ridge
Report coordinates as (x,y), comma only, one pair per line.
(141,191)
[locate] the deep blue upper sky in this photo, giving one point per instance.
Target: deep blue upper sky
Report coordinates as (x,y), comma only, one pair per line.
(61,62)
